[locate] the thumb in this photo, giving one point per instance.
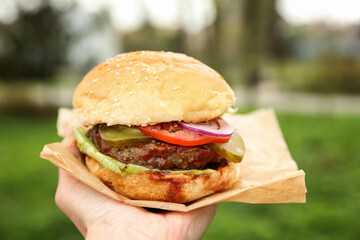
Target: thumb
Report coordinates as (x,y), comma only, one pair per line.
(70,143)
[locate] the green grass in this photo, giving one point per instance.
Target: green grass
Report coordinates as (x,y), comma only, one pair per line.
(28,183)
(326,147)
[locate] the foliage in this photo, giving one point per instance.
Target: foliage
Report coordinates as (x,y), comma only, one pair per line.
(326,74)
(34,47)
(326,147)
(336,74)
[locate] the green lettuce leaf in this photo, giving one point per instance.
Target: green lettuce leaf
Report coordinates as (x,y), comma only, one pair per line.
(87,147)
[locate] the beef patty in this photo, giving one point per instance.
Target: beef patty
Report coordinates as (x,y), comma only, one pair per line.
(160,155)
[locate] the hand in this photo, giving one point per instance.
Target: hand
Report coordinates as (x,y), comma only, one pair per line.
(99,217)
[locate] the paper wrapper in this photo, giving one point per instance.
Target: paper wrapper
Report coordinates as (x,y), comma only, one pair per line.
(268,174)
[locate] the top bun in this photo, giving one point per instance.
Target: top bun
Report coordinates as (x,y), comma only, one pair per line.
(143,88)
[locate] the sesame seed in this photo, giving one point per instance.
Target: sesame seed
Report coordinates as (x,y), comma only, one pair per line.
(133,72)
(91,91)
(146,78)
(113,105)
(117,65)
(115,99)
(157,77)
(95,80)
(137,80)
(117,73)
(175,88)
(121,86)
(131,92)
(143,69)
(107,113)
(130,62)
(108,69)
(140,84)
(127,68)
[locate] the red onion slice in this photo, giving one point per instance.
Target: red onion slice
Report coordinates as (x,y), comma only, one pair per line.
(216,127)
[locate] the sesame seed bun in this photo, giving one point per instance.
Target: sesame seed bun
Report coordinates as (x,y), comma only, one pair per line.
(142,88)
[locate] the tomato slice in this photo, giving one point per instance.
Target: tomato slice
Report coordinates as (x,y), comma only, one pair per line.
(172,133)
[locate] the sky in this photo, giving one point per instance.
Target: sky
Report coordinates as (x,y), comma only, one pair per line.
(127,16)
(337,12)
(190,15)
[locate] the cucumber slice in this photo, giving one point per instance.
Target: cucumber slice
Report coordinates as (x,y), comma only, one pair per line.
(122,135)
(87,147)
(233,150)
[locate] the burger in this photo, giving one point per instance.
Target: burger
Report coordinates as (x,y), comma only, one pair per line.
(153,128)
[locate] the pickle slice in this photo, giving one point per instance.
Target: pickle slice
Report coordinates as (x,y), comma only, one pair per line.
(233,150)
(122,135)
(87,147)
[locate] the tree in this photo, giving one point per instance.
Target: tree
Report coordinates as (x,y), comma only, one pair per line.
(35,45)
(256,19)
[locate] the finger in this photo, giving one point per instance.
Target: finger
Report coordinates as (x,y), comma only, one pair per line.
(200,220)
(208,211)
(64,199)
(80,203)
(196,221)
(85,206)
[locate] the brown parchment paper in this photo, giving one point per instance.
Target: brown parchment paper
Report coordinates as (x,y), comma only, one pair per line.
(268,174)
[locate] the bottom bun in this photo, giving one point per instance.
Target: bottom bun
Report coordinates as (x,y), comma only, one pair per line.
(167,187)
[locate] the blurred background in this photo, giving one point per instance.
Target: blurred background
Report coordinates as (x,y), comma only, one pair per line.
(300,57)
